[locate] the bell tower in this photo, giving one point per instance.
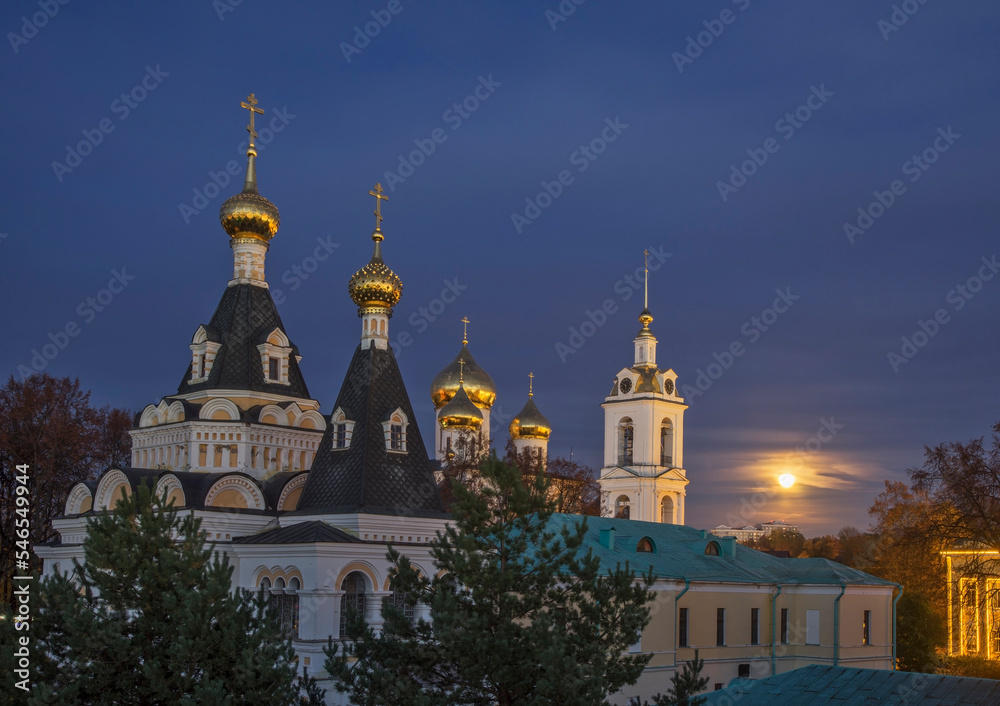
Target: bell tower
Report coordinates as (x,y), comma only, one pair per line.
(643,477)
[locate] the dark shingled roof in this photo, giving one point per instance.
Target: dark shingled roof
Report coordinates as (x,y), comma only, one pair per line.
(846,686)
(302,533)
(366,477)
(245,316)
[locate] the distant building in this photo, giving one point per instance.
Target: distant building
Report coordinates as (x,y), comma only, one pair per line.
(751,532)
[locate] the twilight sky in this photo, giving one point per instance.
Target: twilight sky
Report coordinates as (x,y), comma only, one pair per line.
(735,139)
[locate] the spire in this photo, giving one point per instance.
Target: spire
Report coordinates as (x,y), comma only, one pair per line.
(465,330)
(531,379)
(645,318)
(645,341)
(250,183)
(248,218)
(375,288)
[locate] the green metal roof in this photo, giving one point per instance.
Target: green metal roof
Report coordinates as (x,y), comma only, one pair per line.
(679,553)
(819,685)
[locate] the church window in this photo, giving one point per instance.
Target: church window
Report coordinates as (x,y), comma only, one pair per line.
(720,627)
(645,545)
(682,627)
(353,600)
(342,429)
(201,366)
(623,507)
(203,352)
(667,510)
(398,601)
(712,549)
(286,604)
(626,436)
(755,626)
(202,454)
(866,628)
(274,357)
(666,443)
(265,583)
(395,431)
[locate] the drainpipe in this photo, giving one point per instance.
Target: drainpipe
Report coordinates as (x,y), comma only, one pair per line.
(687,585)
(894,602)
(774,628)
(836,624)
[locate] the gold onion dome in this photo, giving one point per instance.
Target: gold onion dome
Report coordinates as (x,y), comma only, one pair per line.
(645,318)
(248,214)
(461,412)
(478,384)
(375,286)
(530,423)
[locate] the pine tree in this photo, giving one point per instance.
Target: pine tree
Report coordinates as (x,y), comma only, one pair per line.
(519,613)
(150,618)
(686,684)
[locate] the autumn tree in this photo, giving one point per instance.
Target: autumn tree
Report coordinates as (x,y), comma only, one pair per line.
(573,486)
(49,424)
(518,611)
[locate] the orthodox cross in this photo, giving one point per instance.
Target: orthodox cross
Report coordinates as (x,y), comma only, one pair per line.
(465,330)
(251,105)
(461,371)
(531,378)
(379,198)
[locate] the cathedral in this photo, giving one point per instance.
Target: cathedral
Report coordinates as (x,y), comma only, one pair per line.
(304,498)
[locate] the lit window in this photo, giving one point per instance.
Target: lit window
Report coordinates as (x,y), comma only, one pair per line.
(645,545)
(866,628)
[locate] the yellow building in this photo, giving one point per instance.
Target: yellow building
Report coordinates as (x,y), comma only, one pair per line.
(973,602)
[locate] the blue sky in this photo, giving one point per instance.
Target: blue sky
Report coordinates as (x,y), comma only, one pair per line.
(736,139)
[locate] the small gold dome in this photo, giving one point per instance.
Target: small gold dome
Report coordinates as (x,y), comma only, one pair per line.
(478,383)
(248,214)
(375,286)
(460,412)
(530,423)
(645,318)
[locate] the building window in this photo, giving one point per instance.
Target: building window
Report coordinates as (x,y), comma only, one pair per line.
(712,549)
(754,627)
(398,601)
(784,626)
(341,436)
(645,545)
(682,628)
(274,356)
(287,605)
(395,431)
(342,428)
(667,510)
(353,600)
(623,507)
(866,628)
(273,369)
(666,443)
(720,627)
(812,627)
(743,670)
(626,438)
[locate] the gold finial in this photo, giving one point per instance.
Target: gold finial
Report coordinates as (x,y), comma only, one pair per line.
(251,105)
(531,379)
(379,198)
(645,265)
(465,330)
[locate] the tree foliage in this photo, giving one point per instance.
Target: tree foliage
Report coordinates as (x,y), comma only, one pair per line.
(150,618)
(685,687)
(49,424)
(518,613)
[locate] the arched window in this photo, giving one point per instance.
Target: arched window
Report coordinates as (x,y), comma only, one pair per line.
(398,601)
(626,436)
(712,549)
(265,583)
(666,443)
(286,605)
(645,545)
(623,507)
(667,510)
(353,598)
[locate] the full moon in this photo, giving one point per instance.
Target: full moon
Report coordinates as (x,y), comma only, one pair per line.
(787,480)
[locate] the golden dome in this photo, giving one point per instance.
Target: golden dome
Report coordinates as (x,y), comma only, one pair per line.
(375,286)
(478,384)
(530,423)
(460,412)
(645,318)
(248,214)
